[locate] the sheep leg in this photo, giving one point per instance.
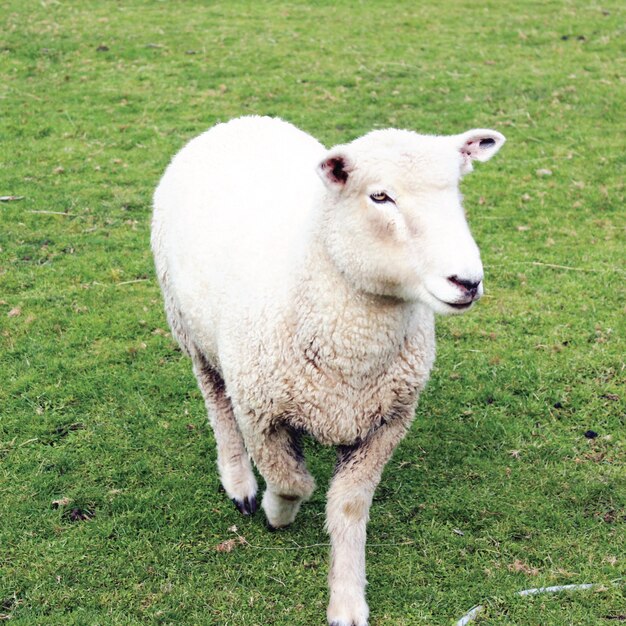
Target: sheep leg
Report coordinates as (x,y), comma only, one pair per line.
(232,459)
(358,471)
(277,453)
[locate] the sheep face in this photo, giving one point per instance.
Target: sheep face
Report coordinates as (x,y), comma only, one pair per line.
(393,222)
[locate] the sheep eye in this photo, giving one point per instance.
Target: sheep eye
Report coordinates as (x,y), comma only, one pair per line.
(380,197)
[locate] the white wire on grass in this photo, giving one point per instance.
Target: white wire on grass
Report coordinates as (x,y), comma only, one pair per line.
(470,616)
(556,589)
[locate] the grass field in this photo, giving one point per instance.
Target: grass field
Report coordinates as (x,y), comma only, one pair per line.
(110,511)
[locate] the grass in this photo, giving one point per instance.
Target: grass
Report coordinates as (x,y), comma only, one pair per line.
(496,489)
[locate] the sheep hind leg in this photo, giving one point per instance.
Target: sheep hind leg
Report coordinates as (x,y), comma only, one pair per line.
(278,457)
(232,459)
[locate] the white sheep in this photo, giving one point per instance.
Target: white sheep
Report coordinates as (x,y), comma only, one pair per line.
(303,284)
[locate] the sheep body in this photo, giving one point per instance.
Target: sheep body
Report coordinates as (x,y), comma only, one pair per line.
(258,295)
(200,206)
(306,302)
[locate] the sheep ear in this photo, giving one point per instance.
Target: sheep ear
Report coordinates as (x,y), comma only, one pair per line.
(335,169)
(479,145)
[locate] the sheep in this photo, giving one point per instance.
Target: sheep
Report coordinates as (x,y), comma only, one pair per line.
(303,284)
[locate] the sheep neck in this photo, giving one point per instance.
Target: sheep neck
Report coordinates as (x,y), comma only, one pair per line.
(350,329)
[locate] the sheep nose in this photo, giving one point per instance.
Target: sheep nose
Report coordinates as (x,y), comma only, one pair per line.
(468,287)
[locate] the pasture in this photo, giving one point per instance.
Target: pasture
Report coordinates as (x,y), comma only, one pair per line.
(514,473)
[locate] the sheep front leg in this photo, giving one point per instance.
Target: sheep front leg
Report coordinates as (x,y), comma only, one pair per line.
(357,474)
(277,453)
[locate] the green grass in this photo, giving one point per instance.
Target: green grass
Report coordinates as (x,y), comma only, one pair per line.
(496,489)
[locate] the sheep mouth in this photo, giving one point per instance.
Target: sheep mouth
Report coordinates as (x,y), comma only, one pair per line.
(459,306)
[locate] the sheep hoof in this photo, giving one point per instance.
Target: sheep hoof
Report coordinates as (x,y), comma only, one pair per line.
(247,506)
(347,609)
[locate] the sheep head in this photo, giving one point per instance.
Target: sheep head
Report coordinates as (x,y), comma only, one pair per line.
(393,221)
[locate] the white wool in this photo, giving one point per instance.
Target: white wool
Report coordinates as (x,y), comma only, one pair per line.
(303,284)
(242,256)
